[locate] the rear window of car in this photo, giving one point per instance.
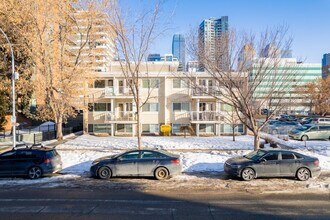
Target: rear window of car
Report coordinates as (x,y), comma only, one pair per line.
(287,156)
(50,154)
(149,154)
(298,156)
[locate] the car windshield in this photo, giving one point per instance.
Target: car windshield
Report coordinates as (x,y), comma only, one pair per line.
(255,155)
(303,128)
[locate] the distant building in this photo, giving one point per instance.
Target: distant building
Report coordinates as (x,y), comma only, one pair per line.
(283,77)
(246,57)
(154,57)
(179,50)
(168,58)
(326,65)
(213,45)
(193,66)
(271,51)
(286,53)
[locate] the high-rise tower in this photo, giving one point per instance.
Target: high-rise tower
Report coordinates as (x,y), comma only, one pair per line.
(213,42)
(179,50)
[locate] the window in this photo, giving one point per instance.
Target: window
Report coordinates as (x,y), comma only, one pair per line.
(150,83)
(149,154)
(100,128)
(102,107)
(9,154)
(181,107)
(271,156)
(124,128)
(206,128)
(150,128)
(130,156)
(180,83)
(99,84)
(150,107)
(287,156)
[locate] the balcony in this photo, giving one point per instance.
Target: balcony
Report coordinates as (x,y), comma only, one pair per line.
(206,116)
(206,91)
(111,91)
(120,116)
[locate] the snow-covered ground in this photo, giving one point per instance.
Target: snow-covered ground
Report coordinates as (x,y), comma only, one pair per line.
(198,154)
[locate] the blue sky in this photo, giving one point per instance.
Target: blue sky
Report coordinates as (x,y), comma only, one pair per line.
(308,21)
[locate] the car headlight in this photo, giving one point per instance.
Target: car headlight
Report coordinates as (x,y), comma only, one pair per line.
(235,166)
(95,162)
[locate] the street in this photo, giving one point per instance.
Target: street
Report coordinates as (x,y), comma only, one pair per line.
(99,202)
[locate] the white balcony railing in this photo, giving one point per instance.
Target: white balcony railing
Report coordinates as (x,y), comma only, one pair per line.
(205,91)
(120,116)
(206,116)
(115,91)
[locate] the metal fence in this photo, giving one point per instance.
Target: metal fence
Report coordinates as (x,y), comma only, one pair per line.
(37,135)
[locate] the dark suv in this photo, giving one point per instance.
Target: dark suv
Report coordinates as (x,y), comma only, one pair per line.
(30,161)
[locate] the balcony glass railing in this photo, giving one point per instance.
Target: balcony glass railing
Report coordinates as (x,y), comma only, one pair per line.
(205,91)
(120,116)
(115,91)
(206,116)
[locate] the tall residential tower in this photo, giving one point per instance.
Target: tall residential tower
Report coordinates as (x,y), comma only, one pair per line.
(213,41)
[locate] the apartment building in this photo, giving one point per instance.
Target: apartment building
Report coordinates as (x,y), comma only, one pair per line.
(172,100)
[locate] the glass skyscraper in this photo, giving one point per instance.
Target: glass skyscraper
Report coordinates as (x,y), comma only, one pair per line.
(326,65)
(179,50)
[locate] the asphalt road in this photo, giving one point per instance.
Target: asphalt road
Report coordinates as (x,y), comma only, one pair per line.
(96,203)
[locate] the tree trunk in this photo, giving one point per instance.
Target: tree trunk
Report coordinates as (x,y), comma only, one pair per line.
(233,133)
(85,110)
(256,141)
(138,111)
(59,133)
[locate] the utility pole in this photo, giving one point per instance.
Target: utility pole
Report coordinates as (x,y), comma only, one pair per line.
(13,76)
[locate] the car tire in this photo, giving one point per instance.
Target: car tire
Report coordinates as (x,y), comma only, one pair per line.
(248,174)
(304,138)
(161,173)
(104,173)
(34,172)
(303,174)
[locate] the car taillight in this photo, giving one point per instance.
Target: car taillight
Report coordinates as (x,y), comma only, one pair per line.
(177,161)
(46,161)
(316,162)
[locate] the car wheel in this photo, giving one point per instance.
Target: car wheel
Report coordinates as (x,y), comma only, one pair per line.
(304,138)
(104,173)
(248,174)
(34,173)
(161,173)
(303,174)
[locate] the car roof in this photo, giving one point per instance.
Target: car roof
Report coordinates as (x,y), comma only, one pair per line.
(276,150)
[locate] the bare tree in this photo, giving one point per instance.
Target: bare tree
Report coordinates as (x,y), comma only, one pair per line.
(255,78)
(63,55)
(231,118)
(135,34)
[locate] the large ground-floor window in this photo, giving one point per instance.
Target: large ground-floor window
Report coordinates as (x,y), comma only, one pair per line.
(207,128)
(150,128)
(226,128)
(99,128)
(124,128)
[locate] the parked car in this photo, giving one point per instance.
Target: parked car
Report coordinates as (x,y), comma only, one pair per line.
(160,164)
(282,127)
(273,163)
(311,131)
(321,121)
(30,161)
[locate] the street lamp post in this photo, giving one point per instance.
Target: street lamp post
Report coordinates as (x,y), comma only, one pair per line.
(13,76)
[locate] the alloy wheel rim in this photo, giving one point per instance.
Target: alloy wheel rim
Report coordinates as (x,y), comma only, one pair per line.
(35,173)
(303,174)
(104,173)
(161,173)
(248,174)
